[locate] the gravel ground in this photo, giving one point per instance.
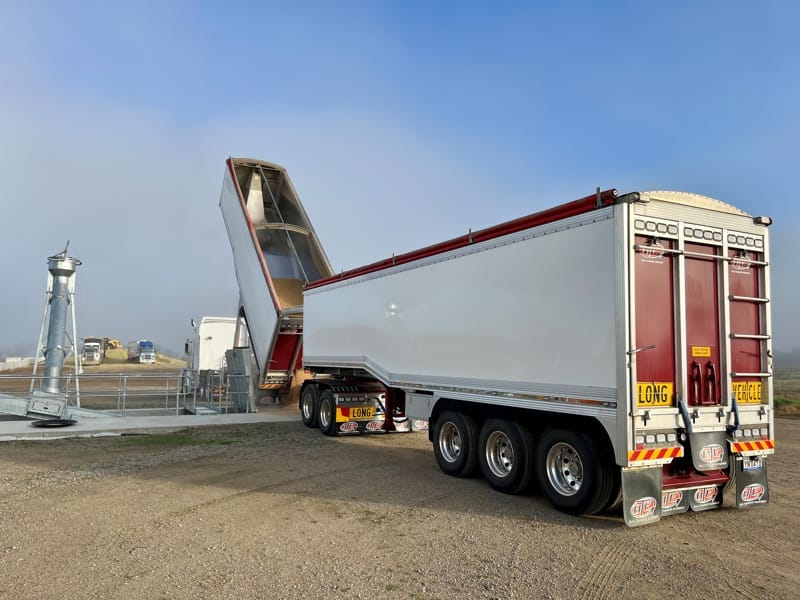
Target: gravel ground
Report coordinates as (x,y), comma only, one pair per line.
(277,511)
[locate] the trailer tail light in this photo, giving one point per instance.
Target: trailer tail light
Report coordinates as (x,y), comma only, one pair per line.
(344,411)
(658,447)
(752,434)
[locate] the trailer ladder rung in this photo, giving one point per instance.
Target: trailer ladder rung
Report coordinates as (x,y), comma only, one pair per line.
(748,299)
(750,336)
(751,374)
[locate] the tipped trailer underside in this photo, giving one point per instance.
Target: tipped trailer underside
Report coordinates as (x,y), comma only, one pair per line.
(610,349)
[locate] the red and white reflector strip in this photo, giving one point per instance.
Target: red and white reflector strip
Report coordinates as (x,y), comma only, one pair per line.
(655,453)
(752,446)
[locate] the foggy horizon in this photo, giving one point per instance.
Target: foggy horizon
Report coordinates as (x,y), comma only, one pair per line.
(397,130)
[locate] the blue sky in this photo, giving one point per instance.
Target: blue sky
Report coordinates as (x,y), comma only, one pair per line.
(400,124)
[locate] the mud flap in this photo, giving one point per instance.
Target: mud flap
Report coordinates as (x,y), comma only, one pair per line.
(641,496)
(751,481)
(705,498)
(709,450)
(674,501)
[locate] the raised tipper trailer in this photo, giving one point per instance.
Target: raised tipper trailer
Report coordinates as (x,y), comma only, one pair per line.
(275,253)
(612,349)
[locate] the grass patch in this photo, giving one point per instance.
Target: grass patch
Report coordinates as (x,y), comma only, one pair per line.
(786,388)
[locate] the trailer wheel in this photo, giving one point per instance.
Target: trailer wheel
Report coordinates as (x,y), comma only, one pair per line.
(327,413)
(615,495)
(455,444)
(308,405)
(571,473)
(506,454)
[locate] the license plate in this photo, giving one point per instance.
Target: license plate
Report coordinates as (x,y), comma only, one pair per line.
(747,392)
(751,464)
(362,412)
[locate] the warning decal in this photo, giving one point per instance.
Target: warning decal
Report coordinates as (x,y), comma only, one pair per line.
(655,453)
(701,350)
(753,446)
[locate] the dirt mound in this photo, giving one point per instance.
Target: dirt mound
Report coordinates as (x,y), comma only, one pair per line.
(163,359)
(117,355)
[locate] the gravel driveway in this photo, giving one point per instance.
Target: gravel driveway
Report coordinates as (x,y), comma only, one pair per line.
(275,510)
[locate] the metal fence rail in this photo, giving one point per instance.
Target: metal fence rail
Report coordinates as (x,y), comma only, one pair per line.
(120,393)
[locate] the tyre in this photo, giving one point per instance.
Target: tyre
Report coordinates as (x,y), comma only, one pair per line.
(506,455)
(571,472)
(455,438)
(308,405)
(326,415)
(615,496)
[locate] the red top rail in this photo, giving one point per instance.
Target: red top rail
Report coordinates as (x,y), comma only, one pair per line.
(563,211)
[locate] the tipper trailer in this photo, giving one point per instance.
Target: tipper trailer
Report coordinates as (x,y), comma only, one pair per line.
(275,253)
(615,348)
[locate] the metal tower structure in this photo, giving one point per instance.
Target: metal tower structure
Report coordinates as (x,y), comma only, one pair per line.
(60,302)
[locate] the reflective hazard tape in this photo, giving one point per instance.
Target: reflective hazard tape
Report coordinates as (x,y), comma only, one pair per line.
(753,446)
(655,453)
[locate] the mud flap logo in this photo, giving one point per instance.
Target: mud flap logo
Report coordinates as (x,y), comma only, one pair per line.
(643,508)
(705,495)
(671,499)
(348,426)
(374,425)
(712,453)
(753,493)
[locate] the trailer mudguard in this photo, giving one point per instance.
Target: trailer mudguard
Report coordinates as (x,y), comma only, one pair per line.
(751,481)
(641,495)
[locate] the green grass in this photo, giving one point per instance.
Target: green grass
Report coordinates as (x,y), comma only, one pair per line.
(786,389)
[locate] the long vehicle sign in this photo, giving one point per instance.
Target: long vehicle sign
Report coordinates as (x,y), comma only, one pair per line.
(654,393)
(747,392)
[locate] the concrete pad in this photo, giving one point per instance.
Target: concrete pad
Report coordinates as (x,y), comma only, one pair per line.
(100,427)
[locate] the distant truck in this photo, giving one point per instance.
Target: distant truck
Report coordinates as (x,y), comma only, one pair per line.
(212,338)
(206,354)
(94,351)
(142,351)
